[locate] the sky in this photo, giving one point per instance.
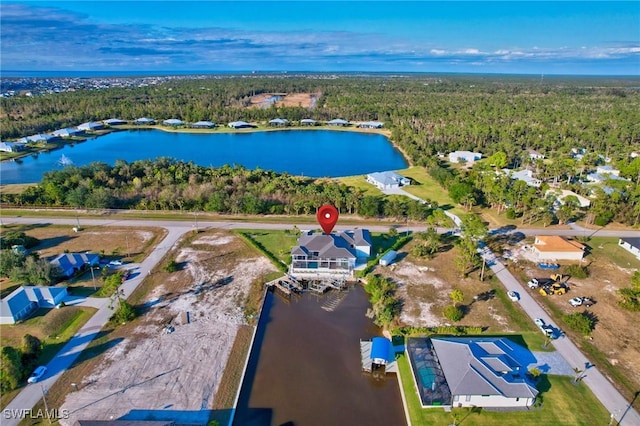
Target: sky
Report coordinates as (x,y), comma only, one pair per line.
(514,37)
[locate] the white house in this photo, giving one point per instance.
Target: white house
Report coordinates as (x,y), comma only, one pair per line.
(561,194)
(11,147)
(173,122)
(239,125)
(371,125)
(607,170)
(308,122)
(552,247)
(279,122)
(471,372)
(91,126)
(387,180)
(338,122)
(144,121)
(114,122)
(464,157)
(26,299)
(68,132)
(203,124)
(535,155)
(526,176)
(632,245)
(336,254)
(41,137)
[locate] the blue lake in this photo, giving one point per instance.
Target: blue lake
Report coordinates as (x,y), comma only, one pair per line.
(314,153)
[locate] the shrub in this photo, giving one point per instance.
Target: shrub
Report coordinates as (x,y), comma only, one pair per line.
(511,213)
(453,313)
(629,299)
(10,368)
(124,313)
(577,271)
(582,322)
(171,266)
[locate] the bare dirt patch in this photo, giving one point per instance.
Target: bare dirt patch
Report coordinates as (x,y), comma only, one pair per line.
(265,100)
(616,334)
(424,286)
(179,372)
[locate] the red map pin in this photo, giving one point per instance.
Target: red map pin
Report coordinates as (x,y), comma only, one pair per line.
(327,217)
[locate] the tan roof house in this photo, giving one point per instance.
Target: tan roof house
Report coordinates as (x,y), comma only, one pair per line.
(552,247)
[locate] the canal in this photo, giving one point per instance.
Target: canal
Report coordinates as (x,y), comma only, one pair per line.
(305,366)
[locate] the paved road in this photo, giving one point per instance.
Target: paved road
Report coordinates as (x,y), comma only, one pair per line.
(600,386)
(32,393)
(614,402)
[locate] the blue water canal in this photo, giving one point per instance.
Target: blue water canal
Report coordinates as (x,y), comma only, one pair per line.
(314,153)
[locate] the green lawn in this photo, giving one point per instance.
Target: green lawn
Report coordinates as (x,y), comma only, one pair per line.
(609,249)
(278,243)
(563,404)
(360,183)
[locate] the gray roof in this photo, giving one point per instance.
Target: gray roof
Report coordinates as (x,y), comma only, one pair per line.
(386,178)
(144,120)
(239,124)
(483,366)
(204,123)
(339,245)
(633,242)
(90,125)
(308,120)
(338,121)
(173,122)
(279,121)
(114,121)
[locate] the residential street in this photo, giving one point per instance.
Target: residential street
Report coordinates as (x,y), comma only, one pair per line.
(600,386)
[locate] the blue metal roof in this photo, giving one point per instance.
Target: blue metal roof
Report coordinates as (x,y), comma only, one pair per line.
(382,348)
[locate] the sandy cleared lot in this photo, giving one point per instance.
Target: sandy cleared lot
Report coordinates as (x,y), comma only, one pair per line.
(304,100)
(152,373)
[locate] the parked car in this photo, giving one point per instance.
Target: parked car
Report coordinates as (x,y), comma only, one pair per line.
(37,374)
(115,263)
(533,283)
(576,301)
(513,295)
(539,322)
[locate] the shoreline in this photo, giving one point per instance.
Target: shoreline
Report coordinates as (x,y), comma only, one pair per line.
(58,144)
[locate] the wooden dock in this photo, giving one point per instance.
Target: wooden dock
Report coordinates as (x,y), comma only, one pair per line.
(286,285)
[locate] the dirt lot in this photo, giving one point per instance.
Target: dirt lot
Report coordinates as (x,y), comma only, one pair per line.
(424,286)
(304,100)
(148,371)
(616,333)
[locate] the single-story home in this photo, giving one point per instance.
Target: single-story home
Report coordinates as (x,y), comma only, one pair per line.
(607,170)
(371,125)
(603,177)
(68,132)
(203,124)
(40,137)
(26,299)
(561,194)
(471,372)
(91,126)
(240,125)
(330,254)
(535,155)
(632,245)
(526,176)
(279,122)
(553,247)
(387,180)
(70,263)
(11,146)
(114,122)
(173,122)
(144,121)
(464,157)
(338,122)
(308,122)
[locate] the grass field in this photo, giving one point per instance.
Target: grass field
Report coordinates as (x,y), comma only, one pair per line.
(563,404)
(609,249)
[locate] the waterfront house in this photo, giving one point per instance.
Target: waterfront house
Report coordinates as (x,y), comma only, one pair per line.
(632,245)
(467,157)
(26,299)
(308,122)
(173,122)
(68,132)
(279,122)
(69,263)
(203,125)
(144,121)
(471,372)
(387,180)
(607,170)
(371,125)
(114,122)
(338,122)
(553,247)
(335,254)
(240,125)
(40,137)
(91,126)
(11,146)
